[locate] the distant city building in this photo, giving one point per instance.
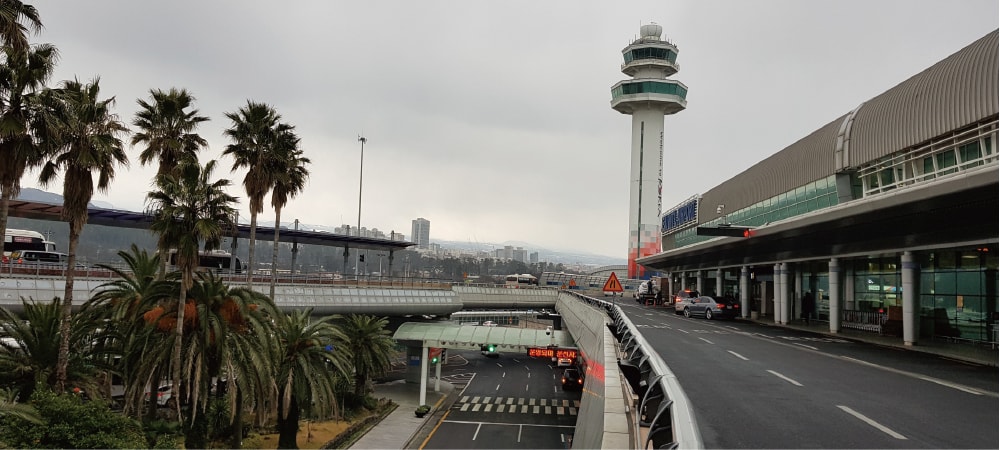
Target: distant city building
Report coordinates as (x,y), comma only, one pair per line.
(421,232)
(519,254)
(533,258)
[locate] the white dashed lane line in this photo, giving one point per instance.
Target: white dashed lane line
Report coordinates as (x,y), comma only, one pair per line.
(784,378)
(871,422)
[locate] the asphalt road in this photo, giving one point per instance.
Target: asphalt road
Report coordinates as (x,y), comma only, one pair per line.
(508,402)
(757,386)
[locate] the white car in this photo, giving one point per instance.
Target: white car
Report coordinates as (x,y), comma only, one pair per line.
(163,394)
(489,323)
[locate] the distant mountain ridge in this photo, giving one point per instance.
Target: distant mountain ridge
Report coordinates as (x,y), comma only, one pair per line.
(40,196)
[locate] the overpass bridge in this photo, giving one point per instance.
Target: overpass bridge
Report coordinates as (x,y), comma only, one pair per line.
(631,400)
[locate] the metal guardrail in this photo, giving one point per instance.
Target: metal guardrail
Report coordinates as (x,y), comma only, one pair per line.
(663,410)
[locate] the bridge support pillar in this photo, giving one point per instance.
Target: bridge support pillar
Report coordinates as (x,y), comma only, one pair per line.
(835,296)
(423,375)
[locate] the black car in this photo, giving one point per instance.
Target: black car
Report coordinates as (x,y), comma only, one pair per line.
(572,379)
(712,307)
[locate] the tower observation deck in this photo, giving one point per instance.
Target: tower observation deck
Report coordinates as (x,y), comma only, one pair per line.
(647,97)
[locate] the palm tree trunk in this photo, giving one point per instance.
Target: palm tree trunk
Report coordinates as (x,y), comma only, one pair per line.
(274,253)
(62,362)
(288,424)
(237,429)
(253,243)
(175,388)
(4,205)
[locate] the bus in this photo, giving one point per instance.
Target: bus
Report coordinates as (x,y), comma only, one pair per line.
(215,261)
(520,281)
(15,240)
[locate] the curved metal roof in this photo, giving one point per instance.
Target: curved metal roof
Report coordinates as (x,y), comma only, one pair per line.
(131,219)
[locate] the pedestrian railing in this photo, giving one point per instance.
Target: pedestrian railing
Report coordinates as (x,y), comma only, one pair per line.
(872,321)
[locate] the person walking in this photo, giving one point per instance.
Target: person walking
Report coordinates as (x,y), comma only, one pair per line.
(808,304)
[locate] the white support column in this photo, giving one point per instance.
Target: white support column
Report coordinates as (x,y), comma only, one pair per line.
(423,374)
(785,303)
(796,299)
(834,295)
(701,281)
(745,291)
(669,295)
(683,282)
(911,302)
(777,293)
(718,282)
(437,372)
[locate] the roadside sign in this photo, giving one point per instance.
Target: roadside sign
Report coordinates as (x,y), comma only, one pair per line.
(613,285)
(550,352)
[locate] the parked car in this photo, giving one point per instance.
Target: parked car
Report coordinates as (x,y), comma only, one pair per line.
(683,299)
(564,362)
(572,379)
(162,394)
(713,307)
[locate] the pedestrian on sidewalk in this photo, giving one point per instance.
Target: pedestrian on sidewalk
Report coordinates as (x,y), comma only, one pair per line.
(808,304)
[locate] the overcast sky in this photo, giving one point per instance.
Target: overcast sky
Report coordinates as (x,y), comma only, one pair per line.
(492,119)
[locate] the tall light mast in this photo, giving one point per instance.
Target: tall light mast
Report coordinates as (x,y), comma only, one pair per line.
(647,97)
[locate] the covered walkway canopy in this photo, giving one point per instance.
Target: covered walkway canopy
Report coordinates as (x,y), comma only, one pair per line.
(470,337)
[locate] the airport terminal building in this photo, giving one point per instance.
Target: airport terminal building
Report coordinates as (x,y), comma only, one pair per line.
(888,215)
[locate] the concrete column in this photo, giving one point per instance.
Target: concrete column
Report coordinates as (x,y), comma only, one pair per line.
(745,291)
(764,300)
(423,375)
(701,281)
(670,288)
(718,282)
(798,293)
(777,293)
(437,373)
(683,281)
(911,303)
(834,295)
(785,293)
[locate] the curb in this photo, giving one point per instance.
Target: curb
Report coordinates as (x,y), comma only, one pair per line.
(443,405)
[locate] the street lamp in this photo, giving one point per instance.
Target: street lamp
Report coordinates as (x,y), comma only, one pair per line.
(361,174)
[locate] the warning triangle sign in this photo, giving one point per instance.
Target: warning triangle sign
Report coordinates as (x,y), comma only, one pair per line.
(613,285)
(572,283)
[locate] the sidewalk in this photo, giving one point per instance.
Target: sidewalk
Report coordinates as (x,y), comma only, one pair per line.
(962,351)
(401,427)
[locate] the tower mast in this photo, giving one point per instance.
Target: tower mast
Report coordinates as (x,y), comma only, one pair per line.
(647,97)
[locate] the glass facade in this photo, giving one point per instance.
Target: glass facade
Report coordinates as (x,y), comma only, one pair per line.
(669,87)
(650,53)
(958,293)
(811,197)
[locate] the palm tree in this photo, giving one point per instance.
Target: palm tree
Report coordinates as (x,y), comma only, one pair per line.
(84,141)
(167,129)
(371,348)
(21,75)
(253,136)
(290,178)
(230,339)
(310,360)
(16,19)
(29,348)
(189,209)
(130,345)
(9,407)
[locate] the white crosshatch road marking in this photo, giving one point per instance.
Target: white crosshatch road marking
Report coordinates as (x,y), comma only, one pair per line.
(509,405)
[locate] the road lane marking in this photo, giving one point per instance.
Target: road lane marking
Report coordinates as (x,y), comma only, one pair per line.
(475,399)
(467,384)
(498,388)
(475,408)
(510,400)
(807,346)
(504,375)
(477,431)
(488,408)
(500,365)
(487,399)
(785,378)
(519,428)
(468,422)
(738,355)
(535,409)
(923,377)
(684,331)
(464,399)
(871,422)
(548,410)
(532,401)
(524,409)
(434,430)
(520,400)
(560,410)
(706,340)
(465,406)
(501,408)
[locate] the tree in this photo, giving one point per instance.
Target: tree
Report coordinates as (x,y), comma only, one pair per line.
(290,176)
(29,348)
(189,209)
(130,346)
(16,19)
(371,348)
(22,74)
(229,341)
(167,130)
(309,362)
(83,141)
(253,134)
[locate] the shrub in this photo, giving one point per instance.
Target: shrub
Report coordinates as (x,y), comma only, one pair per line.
(72,422)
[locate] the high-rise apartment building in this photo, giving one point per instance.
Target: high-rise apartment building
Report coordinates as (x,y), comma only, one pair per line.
(421,232)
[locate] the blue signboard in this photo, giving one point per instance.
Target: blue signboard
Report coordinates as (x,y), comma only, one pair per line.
(680,216)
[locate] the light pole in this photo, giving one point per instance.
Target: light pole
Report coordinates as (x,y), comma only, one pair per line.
(361,174)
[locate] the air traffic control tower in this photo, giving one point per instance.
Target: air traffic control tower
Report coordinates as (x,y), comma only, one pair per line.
(647,97)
